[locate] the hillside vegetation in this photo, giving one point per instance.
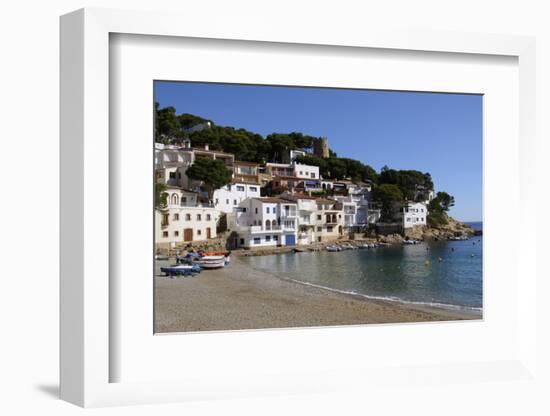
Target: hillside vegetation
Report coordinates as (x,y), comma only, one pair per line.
(391,187)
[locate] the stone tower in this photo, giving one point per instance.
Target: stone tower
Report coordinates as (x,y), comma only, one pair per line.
(320,147)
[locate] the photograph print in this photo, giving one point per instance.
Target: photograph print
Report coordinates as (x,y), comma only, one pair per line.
(294,207)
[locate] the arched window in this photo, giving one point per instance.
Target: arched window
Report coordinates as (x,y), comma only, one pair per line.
(274,224)
(267,225)
(175,199)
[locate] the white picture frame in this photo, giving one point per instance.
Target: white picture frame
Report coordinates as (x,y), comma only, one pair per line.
(87,330)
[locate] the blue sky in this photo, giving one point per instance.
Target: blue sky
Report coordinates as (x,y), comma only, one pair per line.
(436,133)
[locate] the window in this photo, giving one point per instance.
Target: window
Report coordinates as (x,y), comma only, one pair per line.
(165,220)
(234,202)
(183,200)
(217,201)
(329,229)
(175,199)
(319,217)
(257,240)
(187,217)
(301,173)
(256,210)
(274,210)
(241,242)
(208,217)
(176,217)
(172,175)
(199,232)
(408,220)
(227,202)
(198,217)
(312,175)
(240,188)
(267,210)
(253,189)
(267,238)
(176,233)
(319,229)
(165,234)
(275,238)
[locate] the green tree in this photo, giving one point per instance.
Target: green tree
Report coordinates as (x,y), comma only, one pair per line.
(438,208)
(337,168)
(446,201)
(391,199)
(411,182)
(167,125)
(187,120)
(160,195)
(212,173)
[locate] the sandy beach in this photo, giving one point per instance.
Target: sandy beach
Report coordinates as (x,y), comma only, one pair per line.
(239,297)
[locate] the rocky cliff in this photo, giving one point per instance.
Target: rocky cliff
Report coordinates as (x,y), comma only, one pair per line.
(453,228)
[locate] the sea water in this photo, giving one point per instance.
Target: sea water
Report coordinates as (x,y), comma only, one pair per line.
(446,274)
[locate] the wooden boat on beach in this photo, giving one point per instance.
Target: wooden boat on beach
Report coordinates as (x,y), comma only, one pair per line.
(211,262)
(181,270)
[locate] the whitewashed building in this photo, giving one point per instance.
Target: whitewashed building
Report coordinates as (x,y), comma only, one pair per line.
(228,198)
(414,213)
(329,221)
(357,209)
(279,169)
(306,171)
(171,162)
(349,210)
(307,214)
(184,219)
(265,222)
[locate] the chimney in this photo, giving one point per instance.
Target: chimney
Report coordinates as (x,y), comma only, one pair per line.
(206,147)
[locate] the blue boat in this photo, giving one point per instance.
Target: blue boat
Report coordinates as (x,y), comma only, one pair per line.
(181,270)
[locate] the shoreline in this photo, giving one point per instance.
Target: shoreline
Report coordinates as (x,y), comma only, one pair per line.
(240,297)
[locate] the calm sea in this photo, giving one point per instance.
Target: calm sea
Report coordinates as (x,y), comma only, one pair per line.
(441,273)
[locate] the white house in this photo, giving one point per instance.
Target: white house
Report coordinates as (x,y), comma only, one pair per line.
(329,221)
(306,171)
(171,162)
(227,198)
(358,211)
(349,210)
(279,169)
(265,222)
(414,213)
(307,210)
(184,219)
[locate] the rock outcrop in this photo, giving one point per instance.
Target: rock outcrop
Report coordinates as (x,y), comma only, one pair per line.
(453,228)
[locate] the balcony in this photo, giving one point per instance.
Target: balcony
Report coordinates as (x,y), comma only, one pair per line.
(288,214)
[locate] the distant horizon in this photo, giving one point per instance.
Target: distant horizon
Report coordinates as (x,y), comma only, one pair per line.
(439,133)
